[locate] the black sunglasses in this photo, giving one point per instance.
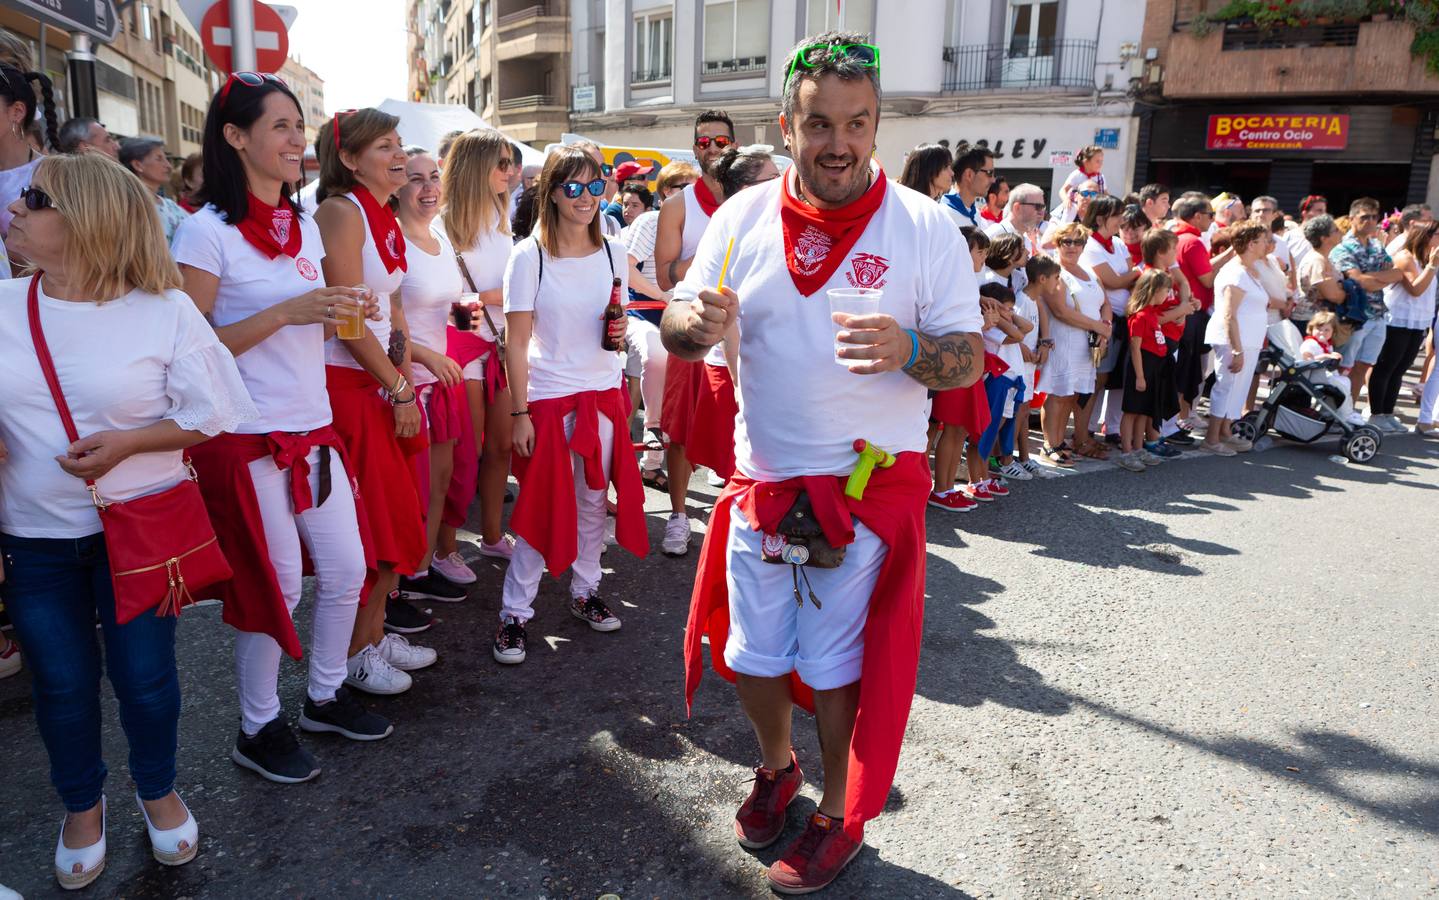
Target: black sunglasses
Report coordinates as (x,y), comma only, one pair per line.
(606,169)
(573,189)
(1072,242)
(36,199)
(250,79)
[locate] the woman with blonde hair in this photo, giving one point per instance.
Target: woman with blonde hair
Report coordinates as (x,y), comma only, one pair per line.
(475,184)
(362,165)
(570,439)
(1236,332)
(1079,326)
(144,378)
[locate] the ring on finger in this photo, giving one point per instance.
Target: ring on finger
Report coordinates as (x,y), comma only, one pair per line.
(329,312)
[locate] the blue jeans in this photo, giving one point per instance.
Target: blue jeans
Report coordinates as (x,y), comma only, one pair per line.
(54,591)
(996,389)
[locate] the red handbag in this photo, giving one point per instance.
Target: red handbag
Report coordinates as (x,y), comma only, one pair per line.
(161,546)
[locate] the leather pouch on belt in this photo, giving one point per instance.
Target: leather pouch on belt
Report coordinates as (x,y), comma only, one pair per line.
(800,540)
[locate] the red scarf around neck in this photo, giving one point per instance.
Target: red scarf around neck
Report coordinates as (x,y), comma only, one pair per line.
(1106,242)
(989,216)
(1183,227)
(1323,344)
(706,198)
(273,230)
(384,229)
(816,241)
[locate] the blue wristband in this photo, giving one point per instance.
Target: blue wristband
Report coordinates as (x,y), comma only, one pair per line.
(914,347)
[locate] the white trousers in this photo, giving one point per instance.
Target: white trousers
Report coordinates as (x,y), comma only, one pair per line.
(331,534)
(1109,405)
(644,343)
(1231,389)
(1428,400)
(527,566)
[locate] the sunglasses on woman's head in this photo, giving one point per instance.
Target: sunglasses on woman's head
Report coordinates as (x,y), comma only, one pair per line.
(249,79)
(721,142)
(36,199)
(573,189)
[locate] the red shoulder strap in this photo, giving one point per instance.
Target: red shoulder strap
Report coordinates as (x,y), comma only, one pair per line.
(47,365)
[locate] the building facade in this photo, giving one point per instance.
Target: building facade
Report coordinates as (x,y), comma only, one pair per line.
(508,60)
(309,89)
(1034,80)
(1339,108)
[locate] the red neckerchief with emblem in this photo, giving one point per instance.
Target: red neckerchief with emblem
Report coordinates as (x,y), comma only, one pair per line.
(706,198)
(1106,242)
(273,230)
(816,241)
(384,230)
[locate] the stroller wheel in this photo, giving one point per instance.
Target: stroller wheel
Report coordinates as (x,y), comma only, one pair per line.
(1362,445)
(1246,428)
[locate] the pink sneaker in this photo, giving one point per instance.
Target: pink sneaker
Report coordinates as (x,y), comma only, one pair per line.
(504,548)
(978,491)
(953,501)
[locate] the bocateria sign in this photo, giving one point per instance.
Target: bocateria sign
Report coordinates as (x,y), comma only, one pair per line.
(1277,131)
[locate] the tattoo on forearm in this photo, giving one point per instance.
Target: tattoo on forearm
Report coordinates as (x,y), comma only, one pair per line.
(397,347)
(944,362)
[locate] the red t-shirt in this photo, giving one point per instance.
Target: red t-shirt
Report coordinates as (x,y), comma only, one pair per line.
(1194,262)
(1144,326)
(1174,330)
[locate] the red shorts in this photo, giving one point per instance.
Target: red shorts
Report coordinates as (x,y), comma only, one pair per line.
(966,408)
(711,431)
(682,380)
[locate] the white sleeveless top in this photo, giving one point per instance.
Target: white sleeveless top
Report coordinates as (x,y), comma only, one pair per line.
(696,221)
(430,286)
(383,283)
(1407,310)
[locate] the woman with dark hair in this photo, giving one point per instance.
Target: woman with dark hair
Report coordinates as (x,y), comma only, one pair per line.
(570,410)
(1411,313)
(362,165)
(1107,260)
(147,159)
(927,170)
(251,263)
(189,187)
(742,167)
(18,158)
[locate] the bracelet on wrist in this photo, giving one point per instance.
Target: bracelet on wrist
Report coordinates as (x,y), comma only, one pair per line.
(913,347)
(519,412)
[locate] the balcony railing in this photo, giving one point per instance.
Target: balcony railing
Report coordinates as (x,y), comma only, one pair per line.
(520,15)
(526,102)
(742,65)
(1244,36)
(645,76)
(1039,65)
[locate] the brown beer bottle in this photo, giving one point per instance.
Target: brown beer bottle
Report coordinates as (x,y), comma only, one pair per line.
(613,312)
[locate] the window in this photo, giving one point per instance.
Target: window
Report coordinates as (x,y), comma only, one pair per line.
(654,41)
(486,13)
(852,15)
(736,35)
(145,22)
(1034,25)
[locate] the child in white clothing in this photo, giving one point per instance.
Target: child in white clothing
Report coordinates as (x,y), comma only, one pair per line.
(1318,345)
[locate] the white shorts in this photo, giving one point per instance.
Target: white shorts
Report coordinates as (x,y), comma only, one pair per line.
(771,635)
(475,369)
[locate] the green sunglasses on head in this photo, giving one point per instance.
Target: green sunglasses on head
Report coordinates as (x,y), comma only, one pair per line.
(814,55)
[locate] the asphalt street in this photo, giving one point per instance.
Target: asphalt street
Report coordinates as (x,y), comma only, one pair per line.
(1213,679)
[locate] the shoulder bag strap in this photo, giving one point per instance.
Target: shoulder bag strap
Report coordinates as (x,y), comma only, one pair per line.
(484,307)
(47,368)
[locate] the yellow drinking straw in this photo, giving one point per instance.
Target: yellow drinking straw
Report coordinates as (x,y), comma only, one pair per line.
(725,267)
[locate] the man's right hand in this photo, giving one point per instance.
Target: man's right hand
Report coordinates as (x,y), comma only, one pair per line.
(711,315)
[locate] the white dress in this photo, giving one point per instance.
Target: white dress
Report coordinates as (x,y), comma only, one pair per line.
(1070,369)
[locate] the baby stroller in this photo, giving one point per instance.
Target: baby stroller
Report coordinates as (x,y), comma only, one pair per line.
(1300,409)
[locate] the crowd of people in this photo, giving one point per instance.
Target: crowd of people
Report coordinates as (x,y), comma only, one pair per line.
(346,372)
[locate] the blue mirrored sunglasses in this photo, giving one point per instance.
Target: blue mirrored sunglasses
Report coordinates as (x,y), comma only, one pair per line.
(573,189)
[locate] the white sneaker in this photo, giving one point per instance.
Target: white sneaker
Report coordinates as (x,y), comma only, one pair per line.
(677,536)
(10,660)
(1356,418)
(453,569)
(1013,469)
(405,656)
(370,672)
(610,539)
(714,479)
(504,548)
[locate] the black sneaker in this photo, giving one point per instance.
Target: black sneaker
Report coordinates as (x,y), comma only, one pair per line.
(431,586)
(344,715)
(403,618)
(274,754)
(1180,438)
(594,612)
(510,642)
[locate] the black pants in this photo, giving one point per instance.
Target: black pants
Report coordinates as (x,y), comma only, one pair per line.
(1401,346)
(1189,373)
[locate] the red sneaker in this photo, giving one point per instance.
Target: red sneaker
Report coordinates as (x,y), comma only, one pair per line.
(954,501)
(996,488)
(816,859)
(978,490)
(760,820)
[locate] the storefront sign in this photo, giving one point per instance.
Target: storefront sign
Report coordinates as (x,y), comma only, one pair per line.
(1018,148)
(1277,131)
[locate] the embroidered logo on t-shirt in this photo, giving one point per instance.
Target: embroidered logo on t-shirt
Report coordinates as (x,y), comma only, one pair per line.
(306,269)
(280,225)
(810,249)
(868,271)
(391,238)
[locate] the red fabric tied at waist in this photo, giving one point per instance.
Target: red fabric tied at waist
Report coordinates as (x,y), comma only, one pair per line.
(545,514)
(994,366)
(252,599)
(893,508)
(464,347)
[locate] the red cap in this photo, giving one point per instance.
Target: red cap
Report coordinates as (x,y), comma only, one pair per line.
(632,169)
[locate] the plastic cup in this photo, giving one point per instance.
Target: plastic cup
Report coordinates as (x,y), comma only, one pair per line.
(853,302)
(352,318)
(469,303)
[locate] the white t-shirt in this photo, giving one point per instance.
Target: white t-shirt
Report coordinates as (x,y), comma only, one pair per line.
(565,355)
(1007,227)
(1015,280)
(12,182)
(1251,313)
(994,342)
(960,219)
(487,261)
(382,282)
(432,284)
(800,411)
(284,373)
(125,364)
(1027,309)
(1094,254)
(1313,348)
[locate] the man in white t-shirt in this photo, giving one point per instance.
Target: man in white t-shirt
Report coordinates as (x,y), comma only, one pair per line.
(1264,209)
(1022,216)
(973,171)
(833,222)
(1310,207)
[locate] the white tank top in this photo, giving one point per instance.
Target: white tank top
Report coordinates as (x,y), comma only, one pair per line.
(383,283)
(696,221)
(1407,310)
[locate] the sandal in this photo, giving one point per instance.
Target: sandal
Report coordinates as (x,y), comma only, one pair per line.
(1093,450)
(654,439)
(657,479)
(1058,456)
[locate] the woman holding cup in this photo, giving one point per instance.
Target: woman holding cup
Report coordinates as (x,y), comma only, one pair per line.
(1079,326)
(362,165)
(250,261)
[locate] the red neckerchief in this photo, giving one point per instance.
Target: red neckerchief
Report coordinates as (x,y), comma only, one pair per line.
(1183,227)
(1106,242)
(384,229)
(1136,255)
(986,214)
(1324,345)
(273,230)
(706,198)
(816,241)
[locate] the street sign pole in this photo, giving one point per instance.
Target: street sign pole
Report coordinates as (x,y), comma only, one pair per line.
(83,97)
(242,35)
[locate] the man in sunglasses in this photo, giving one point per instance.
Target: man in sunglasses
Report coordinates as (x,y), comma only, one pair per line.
(785,618)
(973,172)
(1362,257)
(1022,216)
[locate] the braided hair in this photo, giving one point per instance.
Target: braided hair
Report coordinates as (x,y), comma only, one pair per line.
(15,88)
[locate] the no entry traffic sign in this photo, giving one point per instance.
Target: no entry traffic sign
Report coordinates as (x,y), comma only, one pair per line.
(272,40)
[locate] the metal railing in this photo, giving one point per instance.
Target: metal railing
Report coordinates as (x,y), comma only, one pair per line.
(1039,65)
(647,75)
(525,102)
(1244,36)
(743,64)
(520,15)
